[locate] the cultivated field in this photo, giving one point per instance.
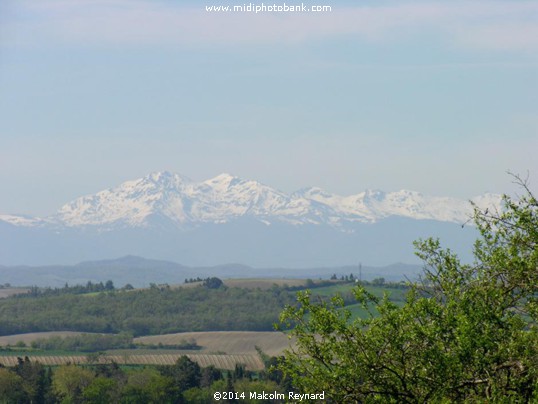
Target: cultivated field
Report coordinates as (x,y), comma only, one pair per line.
(230,342)
(6,292)
(222,349)
(30,337)
(251,362)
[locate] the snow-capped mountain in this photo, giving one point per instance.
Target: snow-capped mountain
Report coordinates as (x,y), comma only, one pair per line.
(181,201)
(229,219)
(165,196)
(373,205)
(132,203)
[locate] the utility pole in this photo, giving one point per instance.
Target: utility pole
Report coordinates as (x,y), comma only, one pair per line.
(360,272)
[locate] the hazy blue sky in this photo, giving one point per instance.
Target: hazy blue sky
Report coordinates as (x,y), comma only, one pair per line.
(438,97)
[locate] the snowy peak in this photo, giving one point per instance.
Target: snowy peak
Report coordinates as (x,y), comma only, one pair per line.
(165,198)
(373,196)
(131,203)
(233,197)
(223,181)
(166,180)
(313,193)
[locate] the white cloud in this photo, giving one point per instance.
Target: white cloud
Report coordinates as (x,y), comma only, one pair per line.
(491,25)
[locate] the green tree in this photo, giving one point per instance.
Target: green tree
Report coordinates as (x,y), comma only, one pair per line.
(12,389)
(467,332)
(213,283)
(68,382)
(209,374)
(36,382)
(101,390)
(198,395)
(149,386)
(185,373)
(378,281)
(203,395)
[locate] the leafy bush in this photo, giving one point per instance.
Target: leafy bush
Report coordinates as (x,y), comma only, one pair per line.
(466,333)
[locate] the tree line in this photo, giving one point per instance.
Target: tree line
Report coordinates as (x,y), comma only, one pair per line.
(183,382)
(90,287)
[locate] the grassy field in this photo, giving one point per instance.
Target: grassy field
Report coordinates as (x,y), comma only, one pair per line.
(396,295)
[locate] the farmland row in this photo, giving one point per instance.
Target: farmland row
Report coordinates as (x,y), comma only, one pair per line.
(228,362)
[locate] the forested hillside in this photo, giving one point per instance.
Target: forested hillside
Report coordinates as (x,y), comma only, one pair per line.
(157,310)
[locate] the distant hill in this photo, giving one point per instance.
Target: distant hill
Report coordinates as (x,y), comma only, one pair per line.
(140,272)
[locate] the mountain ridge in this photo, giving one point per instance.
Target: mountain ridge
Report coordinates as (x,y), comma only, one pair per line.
(169,197)
(229,219)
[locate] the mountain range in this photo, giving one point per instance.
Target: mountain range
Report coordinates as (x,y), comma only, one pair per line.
(228,219)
